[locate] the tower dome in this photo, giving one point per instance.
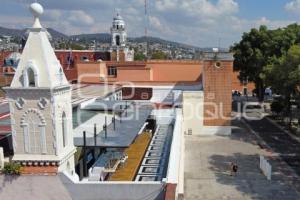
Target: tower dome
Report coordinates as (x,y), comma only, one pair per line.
(118,22)
(118,17)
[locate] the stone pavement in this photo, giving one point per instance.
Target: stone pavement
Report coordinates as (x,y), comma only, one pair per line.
(207,161)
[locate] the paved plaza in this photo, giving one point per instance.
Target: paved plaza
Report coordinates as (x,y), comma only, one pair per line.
(207,161)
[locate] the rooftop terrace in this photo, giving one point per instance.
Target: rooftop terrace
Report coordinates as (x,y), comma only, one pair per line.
(127,127)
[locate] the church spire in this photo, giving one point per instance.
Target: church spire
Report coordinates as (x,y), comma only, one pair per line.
(38,66)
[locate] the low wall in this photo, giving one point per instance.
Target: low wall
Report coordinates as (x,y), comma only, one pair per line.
(216,130)
(113,190)
(175,177)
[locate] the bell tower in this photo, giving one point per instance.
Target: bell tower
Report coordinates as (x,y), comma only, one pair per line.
(118,32)
(40,106)
(119,50)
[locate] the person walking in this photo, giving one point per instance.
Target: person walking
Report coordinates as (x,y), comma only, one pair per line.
(233,169)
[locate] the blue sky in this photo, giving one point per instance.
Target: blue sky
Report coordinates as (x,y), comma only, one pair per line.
(198,22)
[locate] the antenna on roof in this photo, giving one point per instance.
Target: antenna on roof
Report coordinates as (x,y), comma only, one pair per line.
(146,29)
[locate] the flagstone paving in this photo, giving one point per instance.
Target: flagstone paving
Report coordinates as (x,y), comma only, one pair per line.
(207,161)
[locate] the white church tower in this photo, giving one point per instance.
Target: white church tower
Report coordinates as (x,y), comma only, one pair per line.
(118,32)
(119,49)
(40,106)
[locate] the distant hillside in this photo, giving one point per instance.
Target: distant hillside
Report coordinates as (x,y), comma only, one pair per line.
(57,35)
(11,32)
(161,41)
(106,38)
(20,33)
(99,37)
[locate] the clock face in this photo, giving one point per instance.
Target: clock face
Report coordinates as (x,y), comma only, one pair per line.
(218,64)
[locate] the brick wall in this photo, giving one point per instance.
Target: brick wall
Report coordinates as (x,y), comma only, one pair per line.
(121,56)
(170,191)
(217,93)
(39,170)
(239,86)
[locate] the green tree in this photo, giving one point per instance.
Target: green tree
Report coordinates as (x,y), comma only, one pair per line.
(159,55)
(138,56)
(70,45)
(261,49)
(252,54)
(75,46)
(284,76)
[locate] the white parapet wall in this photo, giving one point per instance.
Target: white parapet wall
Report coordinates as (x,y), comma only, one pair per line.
(113,190)
(193,102)
(175,174)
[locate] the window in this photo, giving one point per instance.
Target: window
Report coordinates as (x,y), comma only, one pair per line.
(64,130)
(112,71)
(84,58)
(118,40)
(31,77)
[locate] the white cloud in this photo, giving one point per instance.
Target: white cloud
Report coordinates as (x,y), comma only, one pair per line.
(80,18)
(199,8)
(272,24)
(293,7)
(53,15)
(197,22)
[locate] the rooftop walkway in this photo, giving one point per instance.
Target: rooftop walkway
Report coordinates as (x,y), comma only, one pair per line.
(135,153)
(126,130)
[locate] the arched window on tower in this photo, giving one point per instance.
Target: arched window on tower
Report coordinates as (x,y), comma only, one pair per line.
(118,40)
(31,78)
(64,130)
